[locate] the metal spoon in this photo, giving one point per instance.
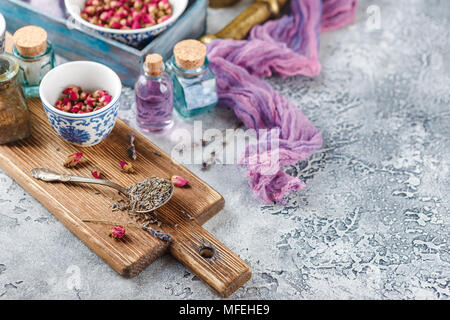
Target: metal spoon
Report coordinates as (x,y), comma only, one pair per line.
(53,176)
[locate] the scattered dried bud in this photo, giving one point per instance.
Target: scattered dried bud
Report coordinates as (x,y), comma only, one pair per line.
(126,167)
(96,173)
(73,159)
(118,232)
(179,181)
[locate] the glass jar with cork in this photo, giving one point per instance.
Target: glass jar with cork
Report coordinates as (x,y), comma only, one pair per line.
(154,96)
(35,55)
(14,114)
(195,88)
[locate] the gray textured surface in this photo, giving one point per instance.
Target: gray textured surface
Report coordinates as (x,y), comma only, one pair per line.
(373,221)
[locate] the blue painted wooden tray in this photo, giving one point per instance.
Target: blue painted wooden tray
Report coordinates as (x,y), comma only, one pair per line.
(77,44)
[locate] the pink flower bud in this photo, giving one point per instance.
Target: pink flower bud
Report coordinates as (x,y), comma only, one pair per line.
(126,167)
(90,101)
(147,19)
(106,99)
(115,4)
(96,173)
(152,8)
(74,96)
(136,25)
(118,232)
(179,181)
(83,95)
(99,93)
(90,10)
(67,106)
(70,89)
(115,25)
(73,159)
(77,108)
(104,16)
(58,104)
(137,4)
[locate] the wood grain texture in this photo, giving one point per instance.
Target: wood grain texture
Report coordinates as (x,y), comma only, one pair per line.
(71,203)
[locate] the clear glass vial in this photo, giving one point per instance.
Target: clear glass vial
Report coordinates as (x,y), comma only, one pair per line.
(36,57)
(154,96)
(14,113)
(195,87)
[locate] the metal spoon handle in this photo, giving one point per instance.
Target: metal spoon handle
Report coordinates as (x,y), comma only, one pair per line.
(50,175)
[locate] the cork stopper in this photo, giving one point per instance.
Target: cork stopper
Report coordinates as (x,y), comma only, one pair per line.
(189,54)
(153,63)
(30,41)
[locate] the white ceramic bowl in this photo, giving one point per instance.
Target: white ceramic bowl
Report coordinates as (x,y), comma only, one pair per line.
(2,33)
(85,129)
(135,38)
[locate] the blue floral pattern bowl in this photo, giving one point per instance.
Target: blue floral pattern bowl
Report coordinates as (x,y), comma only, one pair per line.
(86,129)
(136,38)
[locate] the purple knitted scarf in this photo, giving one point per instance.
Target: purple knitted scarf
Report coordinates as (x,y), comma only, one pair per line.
(288,46)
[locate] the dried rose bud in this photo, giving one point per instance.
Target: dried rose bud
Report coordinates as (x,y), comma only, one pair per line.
(67,106)
(96,173)
(138,5)
(126,167)
(152,8)
(118,232)
(83,95)
(58,104)
(90,101)
(179,181)
(70,89)
(99,93)
(136,25)
(106,99)
(147,19)
(73,159)
(74,96)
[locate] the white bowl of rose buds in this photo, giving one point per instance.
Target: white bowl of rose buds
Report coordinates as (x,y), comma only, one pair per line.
(81,100)
(133,22)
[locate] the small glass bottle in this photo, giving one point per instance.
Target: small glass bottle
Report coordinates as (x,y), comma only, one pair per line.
(195,88)
(154,96)
(35,55)
(14,114)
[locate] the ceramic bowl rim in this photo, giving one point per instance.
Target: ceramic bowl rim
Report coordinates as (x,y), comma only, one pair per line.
(79,115)
(2,25)
(71,10)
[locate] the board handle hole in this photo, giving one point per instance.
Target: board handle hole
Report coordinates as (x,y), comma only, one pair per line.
(207,252)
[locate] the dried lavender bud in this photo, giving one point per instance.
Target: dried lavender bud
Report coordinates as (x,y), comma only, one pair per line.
(149,194)
(132,149)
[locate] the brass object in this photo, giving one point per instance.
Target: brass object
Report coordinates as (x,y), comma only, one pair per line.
(222,3)
(258,12)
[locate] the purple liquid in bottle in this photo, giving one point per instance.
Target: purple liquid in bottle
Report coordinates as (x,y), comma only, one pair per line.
(154,100)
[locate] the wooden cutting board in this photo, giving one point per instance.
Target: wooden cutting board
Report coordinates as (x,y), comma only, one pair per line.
(181,217)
